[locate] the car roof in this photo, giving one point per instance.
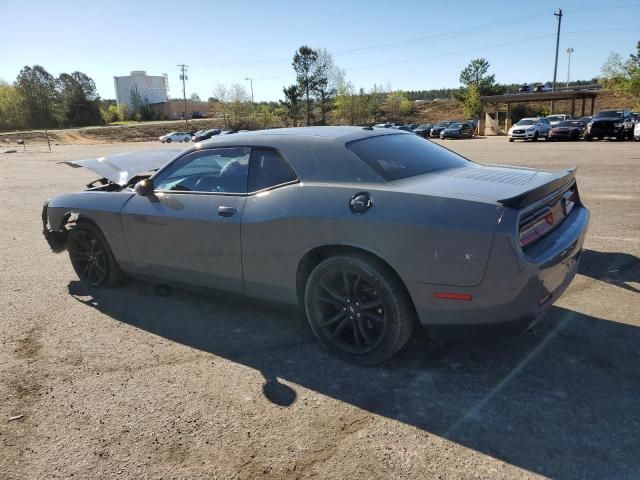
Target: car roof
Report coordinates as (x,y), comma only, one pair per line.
(317,154)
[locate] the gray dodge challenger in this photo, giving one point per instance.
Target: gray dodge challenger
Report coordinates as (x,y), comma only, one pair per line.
(370,230)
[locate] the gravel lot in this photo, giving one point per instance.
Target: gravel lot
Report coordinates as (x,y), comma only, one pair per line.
(135,383)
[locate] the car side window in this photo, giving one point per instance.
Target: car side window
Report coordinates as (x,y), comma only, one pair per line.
(219,170)
(268,169)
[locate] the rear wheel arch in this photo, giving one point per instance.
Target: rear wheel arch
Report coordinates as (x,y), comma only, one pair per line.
(316,255)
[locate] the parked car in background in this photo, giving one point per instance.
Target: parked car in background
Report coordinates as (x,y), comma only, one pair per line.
(457,130)
(525,89)
(542,88)
(205,134)
(423,130)
(568,130)
(406,128)
(555,119)
(616,124)
(315,216)
(175,137)
(585,119)
(437,129)
(530,129)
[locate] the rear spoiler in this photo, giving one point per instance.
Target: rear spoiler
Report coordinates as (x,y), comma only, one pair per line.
(563,178)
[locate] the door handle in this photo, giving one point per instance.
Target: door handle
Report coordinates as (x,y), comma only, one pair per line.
(226,211)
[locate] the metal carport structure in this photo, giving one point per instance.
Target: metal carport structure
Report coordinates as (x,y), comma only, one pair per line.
(491,103)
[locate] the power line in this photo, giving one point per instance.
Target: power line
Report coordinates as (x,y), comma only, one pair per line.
(434,38)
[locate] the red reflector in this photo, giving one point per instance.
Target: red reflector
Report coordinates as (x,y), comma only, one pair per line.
(453,296)
(544,299)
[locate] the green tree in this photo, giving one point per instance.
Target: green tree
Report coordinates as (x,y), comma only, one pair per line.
(472,105)
(304,64)
(110,114)
(292,102)
(476,73)
(78,100)
(37,87)
(264,115)
(623,77)
(11,107)
(396,105)
(327,76)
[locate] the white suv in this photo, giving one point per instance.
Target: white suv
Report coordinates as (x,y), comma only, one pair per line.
(530,129)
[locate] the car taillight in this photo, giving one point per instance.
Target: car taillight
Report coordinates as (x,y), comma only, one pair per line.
(536,228)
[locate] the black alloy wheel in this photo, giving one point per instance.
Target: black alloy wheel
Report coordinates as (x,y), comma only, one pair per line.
(91,257)
(358,310)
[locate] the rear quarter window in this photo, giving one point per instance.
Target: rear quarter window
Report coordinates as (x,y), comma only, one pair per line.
(395,157)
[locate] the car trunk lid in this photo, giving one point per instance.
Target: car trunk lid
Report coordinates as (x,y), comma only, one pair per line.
(509,186)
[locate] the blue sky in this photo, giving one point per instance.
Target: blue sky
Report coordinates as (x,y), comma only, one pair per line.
(410,45)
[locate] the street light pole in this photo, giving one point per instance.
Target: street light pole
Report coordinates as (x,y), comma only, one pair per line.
(569,51)
(253,109)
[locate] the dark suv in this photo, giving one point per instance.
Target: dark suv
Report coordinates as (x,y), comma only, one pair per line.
(610,124)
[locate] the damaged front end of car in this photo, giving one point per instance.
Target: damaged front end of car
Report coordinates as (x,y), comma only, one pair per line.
(117,173)
(55,237)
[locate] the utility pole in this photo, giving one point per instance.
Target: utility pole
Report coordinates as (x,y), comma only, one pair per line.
(557,14)
(183,77)
(253,108)
(569,51)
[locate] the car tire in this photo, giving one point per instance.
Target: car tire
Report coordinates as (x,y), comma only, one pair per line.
(511,139)
(186,140)
(91,257)
(588,138)
(358,309)
(169,140)
(535,137)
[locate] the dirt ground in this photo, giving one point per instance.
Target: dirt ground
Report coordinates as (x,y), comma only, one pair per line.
(135,383)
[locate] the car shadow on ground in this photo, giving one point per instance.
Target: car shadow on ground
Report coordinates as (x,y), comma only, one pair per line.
(562,400)
(618,269)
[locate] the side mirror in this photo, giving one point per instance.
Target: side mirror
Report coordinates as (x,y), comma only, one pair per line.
(144,187)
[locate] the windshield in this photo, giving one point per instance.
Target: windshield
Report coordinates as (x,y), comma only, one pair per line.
(443,124)
(455,125)
(526,121)
(569,123)
(555,118)
(401,156)
(610,113)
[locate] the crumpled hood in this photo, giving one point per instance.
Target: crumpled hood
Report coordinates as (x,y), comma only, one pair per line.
(122,167)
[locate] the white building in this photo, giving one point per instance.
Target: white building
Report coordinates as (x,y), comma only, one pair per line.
(152,88)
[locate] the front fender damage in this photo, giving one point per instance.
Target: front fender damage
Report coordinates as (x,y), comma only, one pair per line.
(55,235)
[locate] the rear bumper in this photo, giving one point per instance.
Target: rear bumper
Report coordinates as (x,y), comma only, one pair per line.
(517,289)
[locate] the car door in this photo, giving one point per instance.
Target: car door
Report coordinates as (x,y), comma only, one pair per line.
(188,230)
